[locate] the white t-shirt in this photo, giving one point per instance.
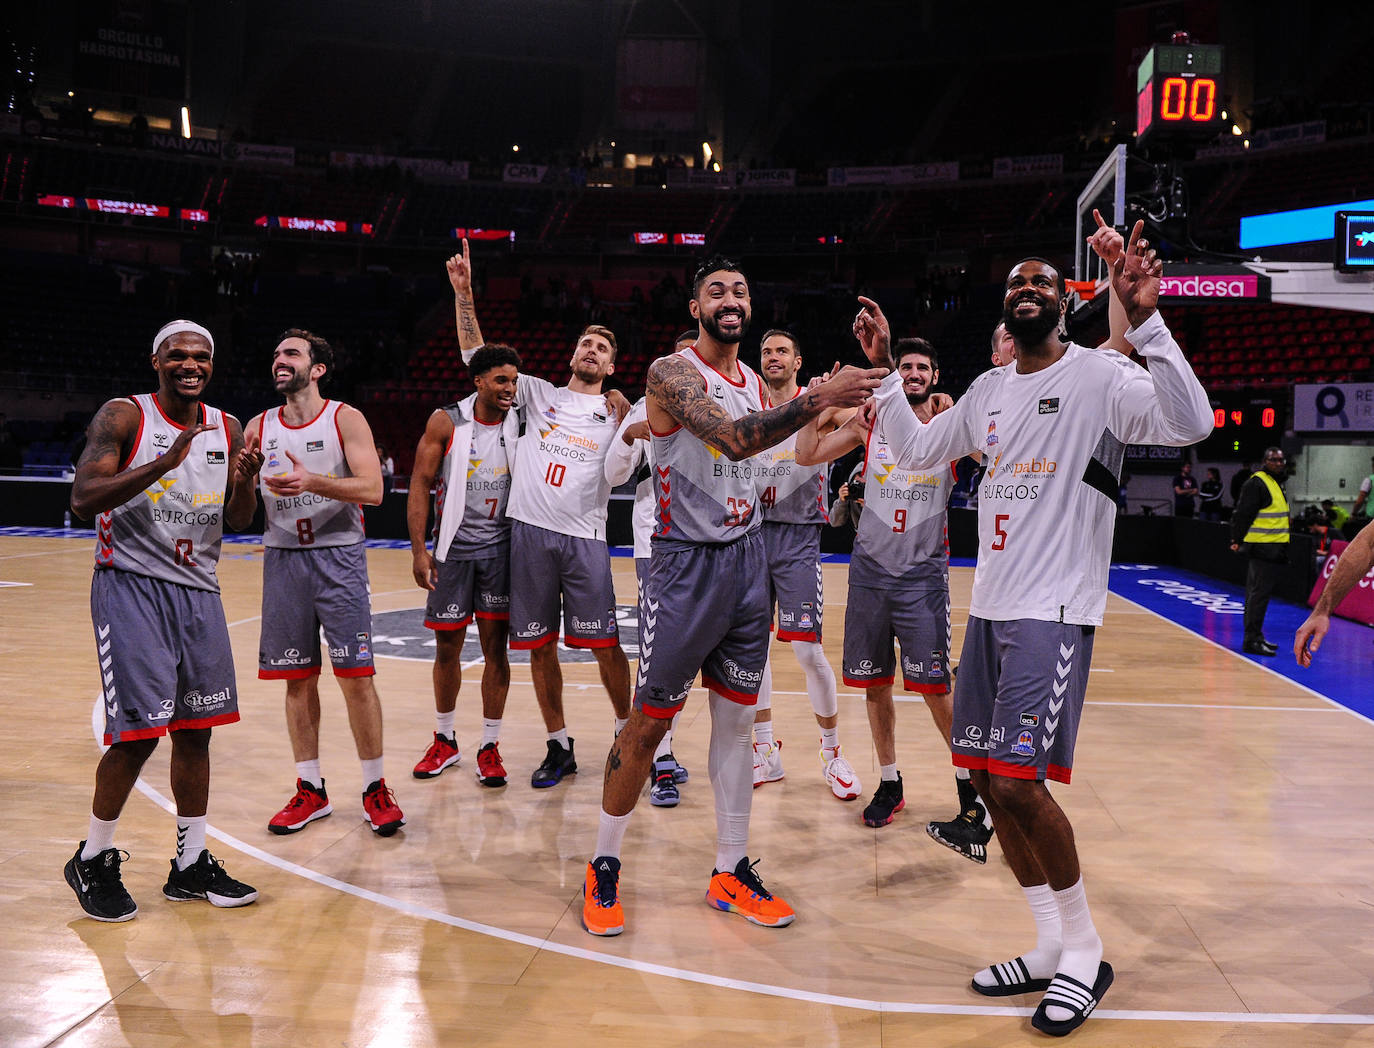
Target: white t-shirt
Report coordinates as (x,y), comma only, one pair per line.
(560,482)
(1054,442)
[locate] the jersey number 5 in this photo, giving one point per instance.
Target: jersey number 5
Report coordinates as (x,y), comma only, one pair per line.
(1001,541)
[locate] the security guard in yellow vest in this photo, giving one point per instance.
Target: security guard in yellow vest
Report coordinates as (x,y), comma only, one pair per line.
(1259,529)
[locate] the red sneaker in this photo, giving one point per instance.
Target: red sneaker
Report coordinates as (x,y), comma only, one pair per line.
(490,770)
(380,810)
(305,807)
(442,753)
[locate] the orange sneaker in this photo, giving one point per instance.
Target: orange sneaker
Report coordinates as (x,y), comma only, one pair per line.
(601,912)
(742,892)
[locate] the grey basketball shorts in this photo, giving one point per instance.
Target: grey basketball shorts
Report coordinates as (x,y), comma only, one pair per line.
(705,608)
(794,577)
(469,587)
(304,590)
(547,568)
(1019,696)
(165,661)
(917,619)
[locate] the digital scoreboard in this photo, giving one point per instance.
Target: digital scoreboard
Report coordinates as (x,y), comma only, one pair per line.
(1179,93)
(1243,425)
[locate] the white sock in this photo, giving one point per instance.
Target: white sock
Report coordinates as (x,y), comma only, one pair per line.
(610,834)
(763,733)
(765,699)
(1082,946)
(190,840)
(560,736)
(1042,961)
(731,767)
(962,773)
(830,743)
(99,838)
(443,723)
(491,731)
(309,771)
(372,771)
(665,745)
(888,772)
(820,678)
(620,723)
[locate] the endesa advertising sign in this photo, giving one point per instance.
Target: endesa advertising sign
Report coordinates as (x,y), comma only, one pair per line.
(1212,283)
(312,225)
(1359,602)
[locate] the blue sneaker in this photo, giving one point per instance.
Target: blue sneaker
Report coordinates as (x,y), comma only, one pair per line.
(663,793)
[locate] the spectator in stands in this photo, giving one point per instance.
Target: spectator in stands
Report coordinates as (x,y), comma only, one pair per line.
(388,467)
(1211,495)
(1259,529)
(1185,491)
(850,504)
(1361,508)
(1246,471)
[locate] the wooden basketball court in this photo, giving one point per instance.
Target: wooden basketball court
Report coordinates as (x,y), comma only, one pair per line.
(1227,847)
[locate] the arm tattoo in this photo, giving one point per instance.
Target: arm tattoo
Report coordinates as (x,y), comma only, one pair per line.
(677,387)
(103,437)
(467,315)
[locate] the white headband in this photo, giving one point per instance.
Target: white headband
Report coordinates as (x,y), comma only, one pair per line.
(180,327)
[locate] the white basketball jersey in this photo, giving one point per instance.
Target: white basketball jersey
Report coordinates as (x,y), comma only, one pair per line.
(308,520)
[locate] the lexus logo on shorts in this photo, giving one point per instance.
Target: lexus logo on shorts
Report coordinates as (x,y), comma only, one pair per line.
(292,653)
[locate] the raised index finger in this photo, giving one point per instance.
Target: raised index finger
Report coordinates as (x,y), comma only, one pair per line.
(1101,222)
(466,256)
(1134,238)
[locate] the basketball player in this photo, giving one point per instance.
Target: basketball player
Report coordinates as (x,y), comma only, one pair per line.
(164,471)
(631,455)
(1354,564)
(899,588)
(558,536)
(792,498)
(469,446)
(707,587)
(321,468)
(1053,430)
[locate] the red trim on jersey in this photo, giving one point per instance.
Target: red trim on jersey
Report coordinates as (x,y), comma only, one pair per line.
(868,440)
(481,423)
(281,418)
(874,682)
(711,684)
(435,624)
(1012,771)
(765,400)
(529,645)
(204,722)
(662,712)
(355,671)
(338,432)
(176,425)
(300,674)
(451,435)
(494,616)
(138,436)
(743,378)
(595,642)
(926,689)
(963,760)
(667,432)
(1059,773)
(790,635)
(134,736)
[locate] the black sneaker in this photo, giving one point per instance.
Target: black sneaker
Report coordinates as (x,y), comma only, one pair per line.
(206,879)
(98,886)
(557,763)
(965,833)
(887,802)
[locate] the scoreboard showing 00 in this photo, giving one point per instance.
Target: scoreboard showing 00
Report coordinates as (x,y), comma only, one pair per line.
(1179,93)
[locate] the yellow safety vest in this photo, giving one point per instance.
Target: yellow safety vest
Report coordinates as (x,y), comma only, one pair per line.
(1271,523)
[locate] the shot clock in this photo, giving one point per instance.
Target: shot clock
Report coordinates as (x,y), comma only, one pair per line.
(1179,93)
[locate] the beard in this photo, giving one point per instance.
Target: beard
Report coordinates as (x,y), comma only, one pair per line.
(297,382)
(1029,331)
(712,328)
(917,399)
